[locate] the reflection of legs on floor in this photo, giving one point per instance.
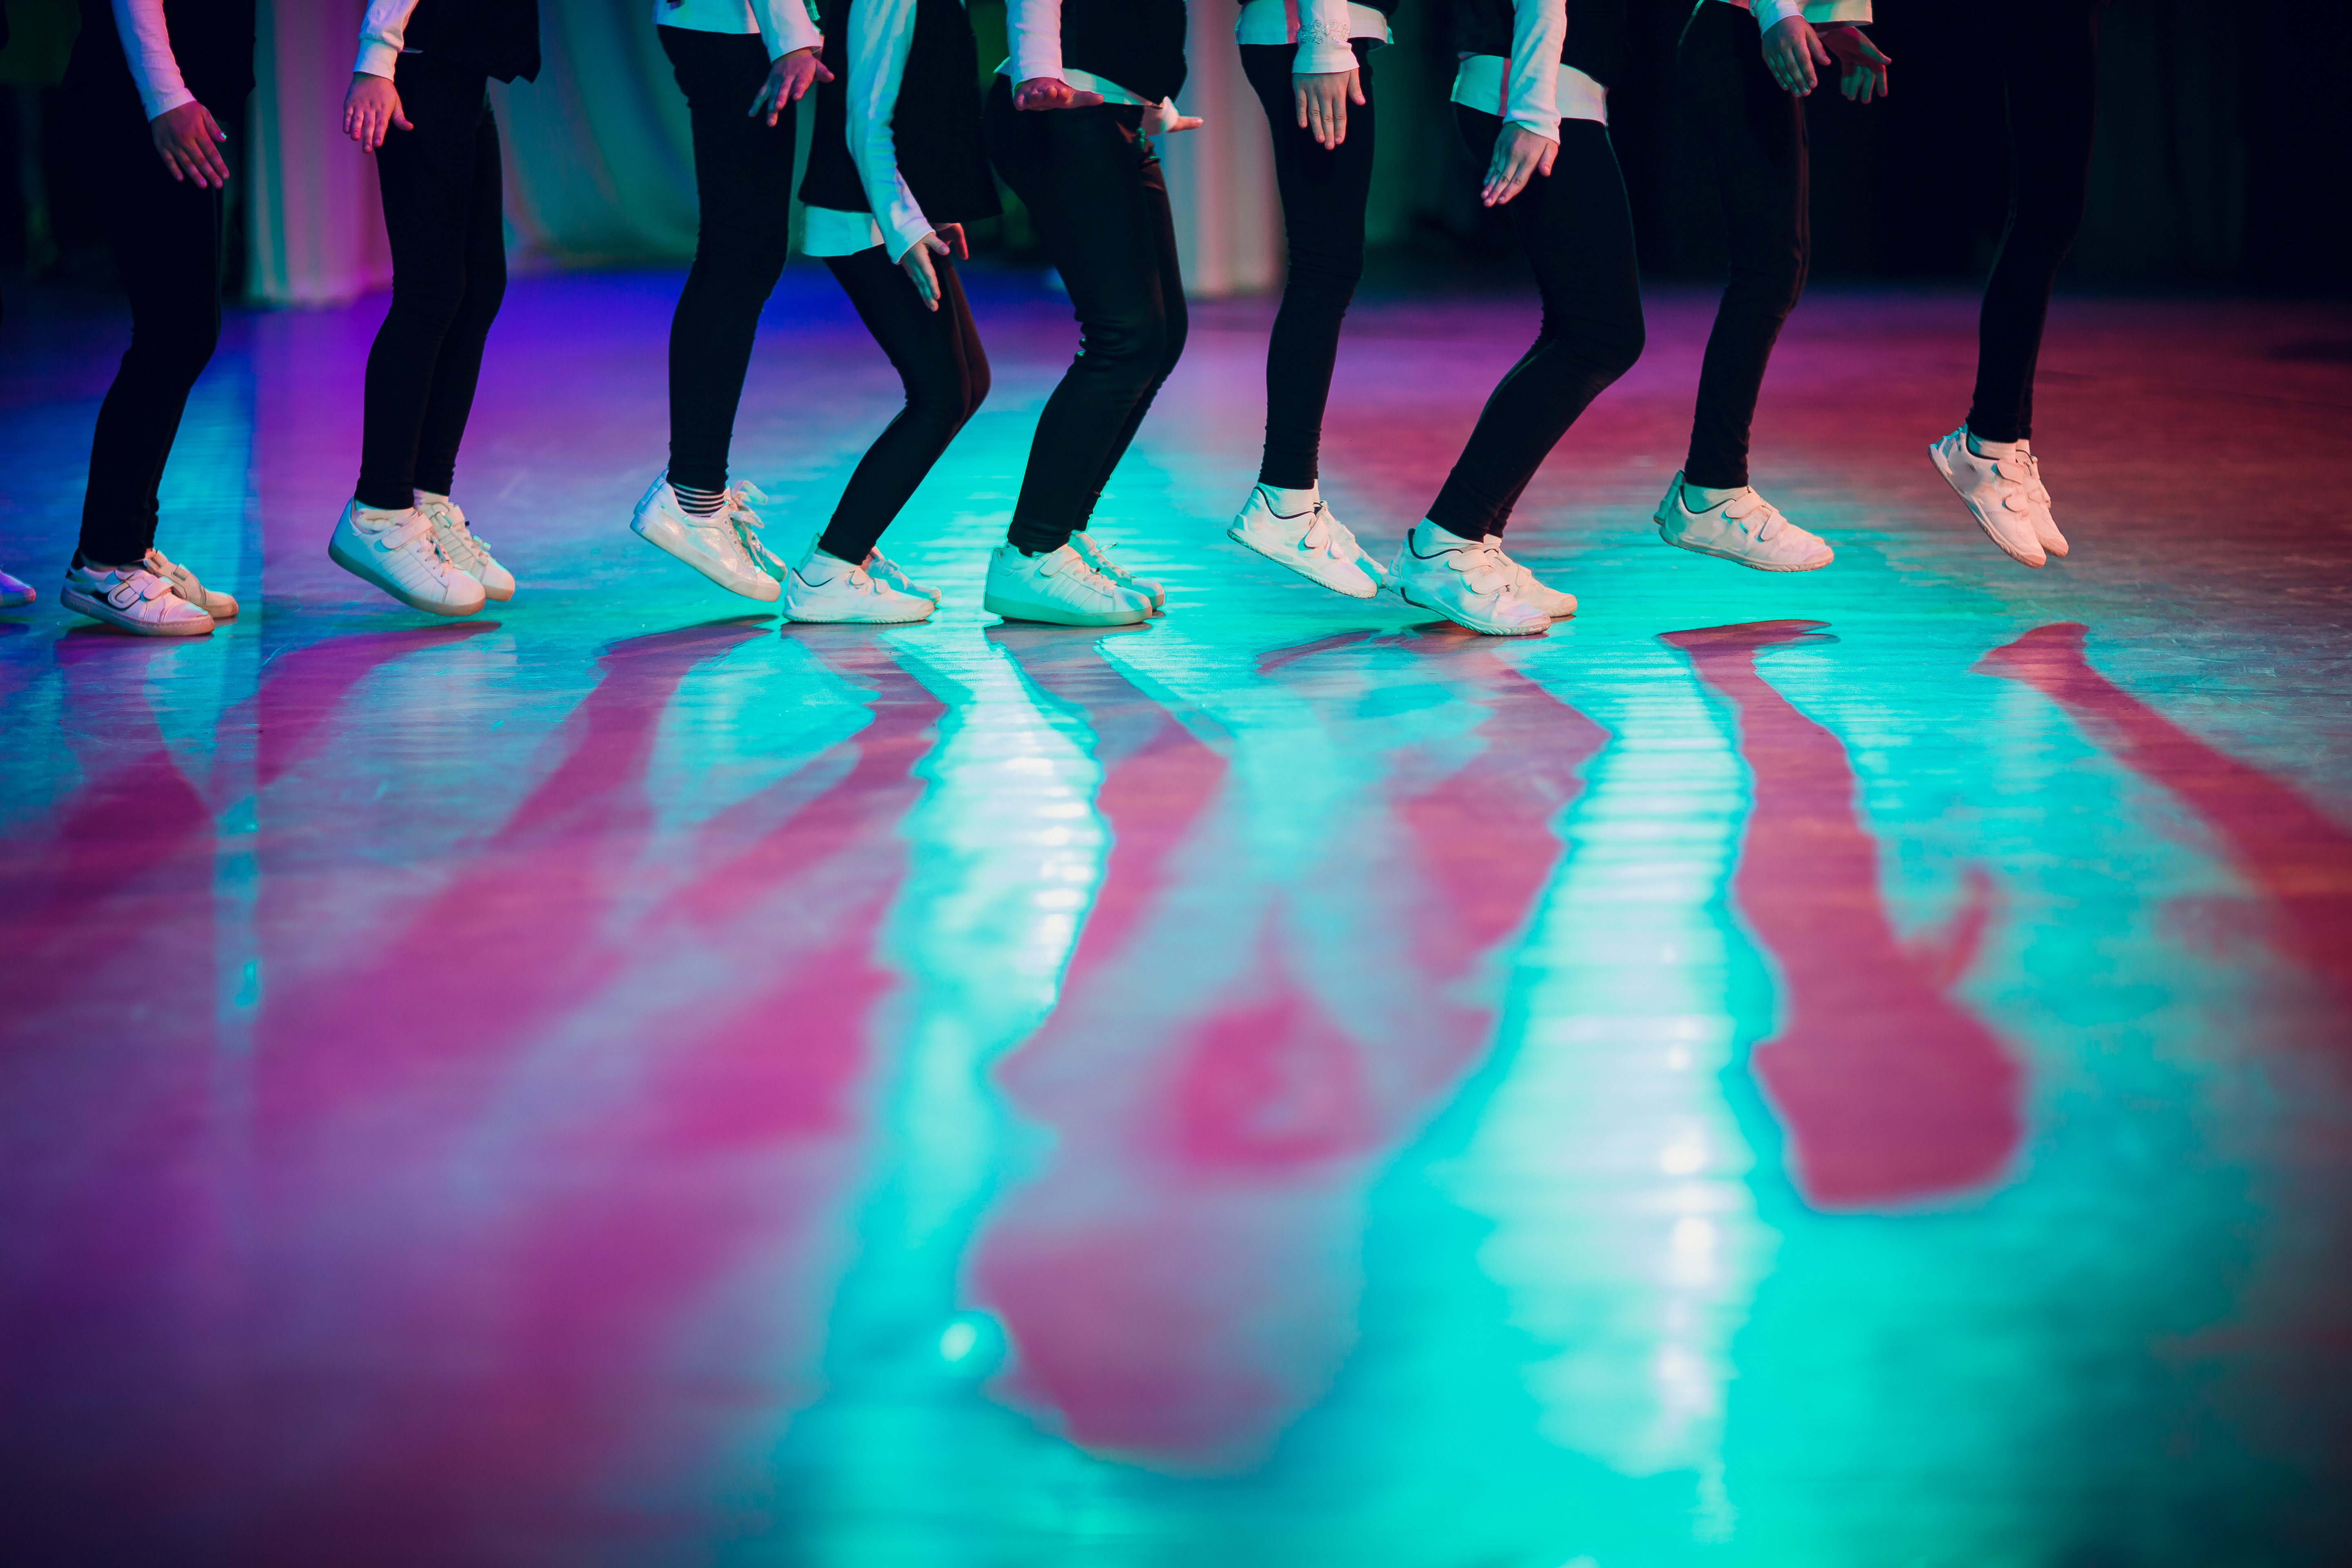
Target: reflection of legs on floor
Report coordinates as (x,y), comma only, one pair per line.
(1890,1091)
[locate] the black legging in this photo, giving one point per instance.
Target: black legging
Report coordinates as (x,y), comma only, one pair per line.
(2053,87)
(937,355)
(1578,234)
(1755,134)
(1324,193)
(1092,185)
(166,235)
(443,211)
(744,179)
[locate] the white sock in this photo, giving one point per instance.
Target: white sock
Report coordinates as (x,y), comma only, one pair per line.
(1437,539)
(1991,451)
(817,553)
(365,513)
(1706,498)
(423,495)
(1290,503)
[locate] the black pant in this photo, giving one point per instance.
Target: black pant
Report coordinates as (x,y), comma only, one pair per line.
(744,179)
(1577,233)
(1324,193)
(1755,134)
(937,355)
(167,244)
(1092,185)
(2053,87)
(442,211)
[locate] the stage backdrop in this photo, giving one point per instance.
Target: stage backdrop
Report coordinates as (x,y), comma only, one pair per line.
(600,170)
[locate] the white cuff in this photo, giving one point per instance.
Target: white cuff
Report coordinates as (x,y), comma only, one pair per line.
(1544,125)
(1323,60)
(1771,14)
(376,60)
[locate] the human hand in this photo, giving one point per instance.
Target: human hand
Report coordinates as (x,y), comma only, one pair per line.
(1322,99)
(1161,119)
(1519,155)
(1865,75)
(1790,51)
(1052,92)
(788,77)
(370,111)
(188,140)
(918,263)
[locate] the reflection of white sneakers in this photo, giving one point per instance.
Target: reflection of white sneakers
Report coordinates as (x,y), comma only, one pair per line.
(1097,554)
(1057,587)
(461,548)
(2037,496)
(14,591)
(715,545)
(1745,528)
(1465,580)
(395,552)
(1994,485)
(1532,590)
(220,606)
(134,599)
(882,569)
(824,588)
(1310,541)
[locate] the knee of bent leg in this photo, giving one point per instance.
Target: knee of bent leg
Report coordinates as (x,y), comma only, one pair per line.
(1131,346)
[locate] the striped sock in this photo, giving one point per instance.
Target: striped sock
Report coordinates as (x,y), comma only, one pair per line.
(699,503)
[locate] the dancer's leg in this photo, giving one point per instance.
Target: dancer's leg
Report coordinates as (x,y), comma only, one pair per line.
(939,357)
(1755,136)
(460,366)
(1578,234)
(1324,193)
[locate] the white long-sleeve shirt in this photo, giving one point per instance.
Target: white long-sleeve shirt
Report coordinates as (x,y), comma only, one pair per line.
(1771,14)
(382,34)
(147,47)
(1323,30)
(1535,88)
(784,26)
(881,35)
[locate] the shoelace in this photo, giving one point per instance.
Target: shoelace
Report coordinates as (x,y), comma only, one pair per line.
(454,522)
(746,523)
(1079,566)
(1764,531)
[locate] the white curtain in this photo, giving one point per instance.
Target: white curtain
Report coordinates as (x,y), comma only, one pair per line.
(313,219)
(1220,177)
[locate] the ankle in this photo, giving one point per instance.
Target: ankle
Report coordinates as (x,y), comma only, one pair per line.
(1706,498)
(1993,451)
(1288,501)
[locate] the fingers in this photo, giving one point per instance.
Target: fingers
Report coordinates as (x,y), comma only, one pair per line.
(822,73)
(399,118)
(1356,89)
(1299,101)
(963,247)
(1550,152)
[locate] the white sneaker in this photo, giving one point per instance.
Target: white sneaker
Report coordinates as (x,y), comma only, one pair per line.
(14,591)
(2037,494)
(462,549)
(395,550)
(219,605)
(1554,604)
(713,545)
(1997,494)
(1465,580)
(1313,543)
(1745,528)
(134,599)
(882,569)
(1059,588)
(825,588)
(1097,554)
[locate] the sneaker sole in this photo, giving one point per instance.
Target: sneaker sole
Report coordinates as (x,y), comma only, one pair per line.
(1055,615)
(907,619)
(1736,558)
(1290,558)
(1534,631)
(1944,466)
(16,601)
(100,610)
(336,553)
(664,539)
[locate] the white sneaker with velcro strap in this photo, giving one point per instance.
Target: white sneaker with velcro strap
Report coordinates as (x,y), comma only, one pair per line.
(826,589)
(462,548)
(2037,496)
(1745,528)
(1532,589)
(134,599)
(395,552)
(1995,485)
(220,606)
(1311,542)
(1465,580)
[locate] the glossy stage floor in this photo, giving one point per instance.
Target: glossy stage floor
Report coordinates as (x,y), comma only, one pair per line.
(1847,1068)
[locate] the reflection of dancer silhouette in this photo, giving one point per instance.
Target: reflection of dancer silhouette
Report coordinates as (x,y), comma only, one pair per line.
(2298,855)
(720,1137)
(1890,1091)
(1179,1283)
